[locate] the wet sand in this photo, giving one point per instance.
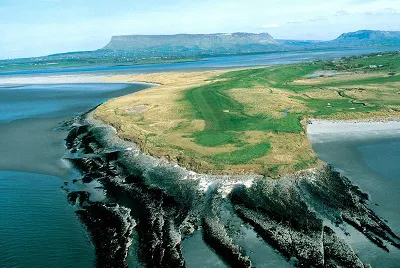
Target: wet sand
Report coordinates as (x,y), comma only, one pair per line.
(321,130)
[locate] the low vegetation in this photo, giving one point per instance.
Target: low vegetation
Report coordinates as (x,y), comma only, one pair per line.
(253,119)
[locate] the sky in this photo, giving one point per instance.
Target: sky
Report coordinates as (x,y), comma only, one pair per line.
(40,27)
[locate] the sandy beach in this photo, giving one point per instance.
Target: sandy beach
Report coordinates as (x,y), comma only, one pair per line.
(318,130)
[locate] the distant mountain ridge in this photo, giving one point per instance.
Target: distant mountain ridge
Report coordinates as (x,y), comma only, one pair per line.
(369,37)
(198,41)
(189,45)
(145,49)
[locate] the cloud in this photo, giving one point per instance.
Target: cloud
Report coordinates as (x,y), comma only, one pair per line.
(269,26)
(386,11)
(317,19)
(341,13)
(391,11)
(294,22)
(363,1)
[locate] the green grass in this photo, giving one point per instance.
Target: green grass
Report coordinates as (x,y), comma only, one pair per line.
(321,107)
(363,81)
(226,119)
(224,115)
(277,76)
(288,124)
(305,164)
(243,156)
(214,138)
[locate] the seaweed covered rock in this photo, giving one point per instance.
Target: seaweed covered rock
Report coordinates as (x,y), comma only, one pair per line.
(110,227)
(289,213)
(215,234)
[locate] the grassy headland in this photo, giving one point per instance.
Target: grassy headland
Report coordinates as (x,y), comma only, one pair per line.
(253,119)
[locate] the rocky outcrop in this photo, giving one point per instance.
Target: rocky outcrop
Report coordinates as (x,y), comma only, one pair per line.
(215,234)
(110,226)
(289,214)
(160,215)
(277,212)
(295,215)
(337,253)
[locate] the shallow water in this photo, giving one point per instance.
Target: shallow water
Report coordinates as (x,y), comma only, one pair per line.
(262,255)
(194,251)
(38,228)
(373,165)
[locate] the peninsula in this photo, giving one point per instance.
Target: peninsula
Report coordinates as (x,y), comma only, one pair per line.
(251,120)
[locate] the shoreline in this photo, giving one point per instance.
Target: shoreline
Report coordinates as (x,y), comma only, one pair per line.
(313,128)
(228,181)
(127,173)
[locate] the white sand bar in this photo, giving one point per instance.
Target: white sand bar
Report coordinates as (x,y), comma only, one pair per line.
(53,79)
(323,130)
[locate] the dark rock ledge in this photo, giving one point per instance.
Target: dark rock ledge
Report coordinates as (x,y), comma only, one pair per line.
(160,215)
(215,234)
(110,227)
(289,214)
(293,214)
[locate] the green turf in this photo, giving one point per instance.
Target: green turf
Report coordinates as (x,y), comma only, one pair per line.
(243,156)
(334,106)
(224,115)
(303,164)
(363,81)
(214,138)
(226,118)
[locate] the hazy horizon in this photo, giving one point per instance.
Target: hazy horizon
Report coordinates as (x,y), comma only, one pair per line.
(43,27)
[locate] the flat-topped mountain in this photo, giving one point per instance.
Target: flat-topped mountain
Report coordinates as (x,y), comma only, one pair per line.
(200,43)
(189,45)
(144,49)
(368,37)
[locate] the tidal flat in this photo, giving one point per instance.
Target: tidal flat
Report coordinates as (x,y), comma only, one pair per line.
(36,220)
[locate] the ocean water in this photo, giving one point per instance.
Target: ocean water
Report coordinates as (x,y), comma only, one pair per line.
(373,165)
(38,228)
